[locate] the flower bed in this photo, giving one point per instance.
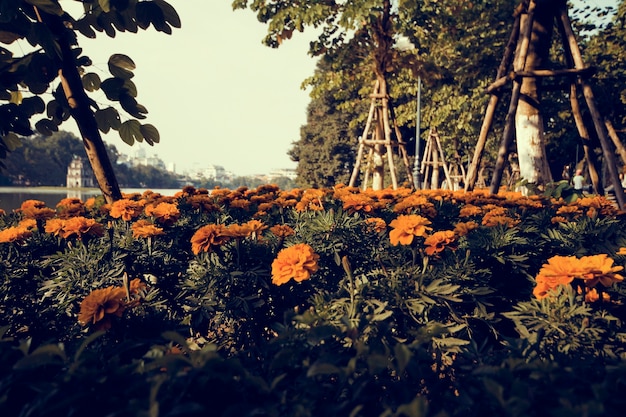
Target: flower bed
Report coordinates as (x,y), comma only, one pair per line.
(320,302)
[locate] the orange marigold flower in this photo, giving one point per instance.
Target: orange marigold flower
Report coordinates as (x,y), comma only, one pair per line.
(145,229)
(438,241)
(238,230)
(621,251)
(282,230)
(126,209)
(70,207)
(592,296)
(560,270)
(415,202)
(377,224)
(209,236)
(256,226)
(406,227)
(469,210)
(164,213)
(298,262)
(136,286)
(55,226)
(356,202)
(558,219)
(82,226)
(15,234)
(35,209)
(100,306)
(495,220)
(90,203)
(462,229)
(28,224)
(599,269)
(571,209)
(240,203)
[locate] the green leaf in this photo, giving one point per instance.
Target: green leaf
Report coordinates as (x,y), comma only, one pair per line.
(16,97)
(91,81)
(48,6)
(33,105)
(107,118)
(322,368)
(170,14)
(130,131)
(46,127)
(12,141)
(104,5)
(130,105)
(403,356)
(121,66)
(150,134)
(112,88)
(42,356)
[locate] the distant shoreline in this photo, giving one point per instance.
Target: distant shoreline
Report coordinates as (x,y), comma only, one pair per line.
(46,189)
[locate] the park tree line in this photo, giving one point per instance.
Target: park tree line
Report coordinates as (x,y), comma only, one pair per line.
(453,47)
(457,48)
(43,161)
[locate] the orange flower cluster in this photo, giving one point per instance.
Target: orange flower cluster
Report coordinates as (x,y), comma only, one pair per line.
(282,230)
(563,270)
(101,305)
(74,226)
(215,235)
(298,262)
(208,237)
(164,213)
(438,241)
(406,227)
(16,234)
(377,224)
(126,209)
(414,202)
(145,228)
(35,209)
(463,228)
(70,207)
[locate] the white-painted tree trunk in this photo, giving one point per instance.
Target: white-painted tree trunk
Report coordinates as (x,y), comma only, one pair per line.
(529,127)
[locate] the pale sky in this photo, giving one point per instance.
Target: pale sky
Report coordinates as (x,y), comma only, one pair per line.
(216,94)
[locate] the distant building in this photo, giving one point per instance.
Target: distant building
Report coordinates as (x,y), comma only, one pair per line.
(79,174)
(214,172)
(283,172)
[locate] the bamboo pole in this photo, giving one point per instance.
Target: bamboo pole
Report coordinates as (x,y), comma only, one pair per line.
(472,172)
(509,128)
(595,114)
(362,142)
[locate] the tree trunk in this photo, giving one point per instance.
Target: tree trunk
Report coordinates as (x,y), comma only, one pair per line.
(533,161)
(81,112)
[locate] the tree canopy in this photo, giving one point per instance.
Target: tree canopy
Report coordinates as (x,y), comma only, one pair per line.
(455,48)
(50,80)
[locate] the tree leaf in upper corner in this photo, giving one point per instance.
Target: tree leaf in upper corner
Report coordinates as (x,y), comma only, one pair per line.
(130,131)
(150,134)
(48,6)
(170,14)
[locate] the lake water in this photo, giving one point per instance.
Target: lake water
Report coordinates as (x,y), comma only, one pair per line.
(12,197)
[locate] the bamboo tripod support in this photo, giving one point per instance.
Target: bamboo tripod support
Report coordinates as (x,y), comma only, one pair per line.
(377,139)
(577,72)
(433,160)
